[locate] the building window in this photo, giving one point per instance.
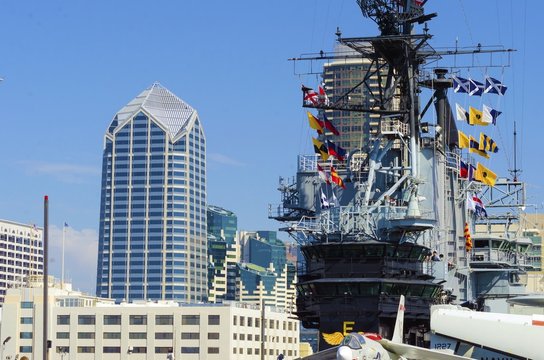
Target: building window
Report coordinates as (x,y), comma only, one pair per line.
(63,349)
(190,350)
(85,335)
(85,349)
(27,304)
(111,349)
(190,336)
(26,320)
(163,350)
(249,321)
(214,320)
(112,335)
(86,320)
(164,336)
(234,350)
(190,320)
(139,350)
(213,336)
(25,349)
(137,335)
(257,322)
(112,319)
(213,350)
(25,335)
(234,320)
(63,335)
(164,320)
(249,351)
(242,321)
(138,319)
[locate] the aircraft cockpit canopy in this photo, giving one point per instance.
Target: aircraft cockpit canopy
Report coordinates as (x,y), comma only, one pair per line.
(353,341)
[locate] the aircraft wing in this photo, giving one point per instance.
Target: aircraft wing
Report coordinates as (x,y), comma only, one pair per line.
(415,352)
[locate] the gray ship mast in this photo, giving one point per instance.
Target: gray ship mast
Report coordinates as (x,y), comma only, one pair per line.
(396,58)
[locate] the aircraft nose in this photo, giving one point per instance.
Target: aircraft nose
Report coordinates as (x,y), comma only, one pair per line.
(344,353)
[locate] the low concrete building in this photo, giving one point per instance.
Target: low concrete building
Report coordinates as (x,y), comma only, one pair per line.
(86,327)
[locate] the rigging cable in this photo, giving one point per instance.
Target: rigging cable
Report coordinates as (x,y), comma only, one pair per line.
(524,52)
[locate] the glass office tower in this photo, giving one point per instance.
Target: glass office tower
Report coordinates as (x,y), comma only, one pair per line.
(222,223)
(152,240)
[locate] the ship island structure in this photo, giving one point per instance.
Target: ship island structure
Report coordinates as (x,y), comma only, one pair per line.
(400,205)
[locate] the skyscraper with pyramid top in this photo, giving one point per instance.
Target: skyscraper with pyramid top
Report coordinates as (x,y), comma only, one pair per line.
(152,240)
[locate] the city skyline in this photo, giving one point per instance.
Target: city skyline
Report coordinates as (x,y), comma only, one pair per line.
(68,67)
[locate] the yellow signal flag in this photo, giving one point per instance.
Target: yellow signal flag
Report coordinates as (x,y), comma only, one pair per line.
(475,117)
(463,140)
(487,143)
(475,148)
(321,149)
(485,175)
(315,123)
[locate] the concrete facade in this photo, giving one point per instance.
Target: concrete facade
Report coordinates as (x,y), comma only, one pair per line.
(21,253)
(85,327)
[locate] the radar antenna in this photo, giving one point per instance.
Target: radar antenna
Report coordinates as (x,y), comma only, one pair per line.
(391,15)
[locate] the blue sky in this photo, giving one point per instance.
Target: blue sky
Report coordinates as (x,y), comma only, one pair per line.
(69,66)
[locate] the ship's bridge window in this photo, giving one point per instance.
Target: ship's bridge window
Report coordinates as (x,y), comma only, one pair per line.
(429,291)
(312,252)
(399,289)
(415,290)
(403,252)
(327,290)
(352,251)
(333,252)
(374,250)
(386,288)
(481,244)
(367,289)
(417,253)
(495,244)
(390,250)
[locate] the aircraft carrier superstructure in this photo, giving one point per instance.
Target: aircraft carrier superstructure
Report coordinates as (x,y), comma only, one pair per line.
(401,197)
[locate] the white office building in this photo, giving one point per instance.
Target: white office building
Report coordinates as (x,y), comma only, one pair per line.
(21,253)
(86,327)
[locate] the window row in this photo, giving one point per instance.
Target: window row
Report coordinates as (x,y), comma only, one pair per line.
(133,320)
(130,350)
(131,335)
